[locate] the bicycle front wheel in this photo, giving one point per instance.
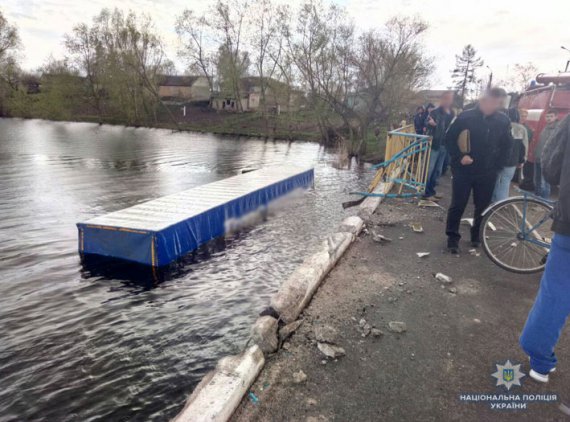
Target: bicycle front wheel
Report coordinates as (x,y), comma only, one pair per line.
(516,234)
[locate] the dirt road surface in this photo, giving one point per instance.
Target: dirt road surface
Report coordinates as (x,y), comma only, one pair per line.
(455,335)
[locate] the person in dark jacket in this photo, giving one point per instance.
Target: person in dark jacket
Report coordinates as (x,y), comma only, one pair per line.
(516,158)
(552,305)
(429,108)
(419,120)
(528,167)
(438,122)
(479,142)
(541,186)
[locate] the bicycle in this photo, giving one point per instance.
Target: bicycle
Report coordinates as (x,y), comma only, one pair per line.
(515,233)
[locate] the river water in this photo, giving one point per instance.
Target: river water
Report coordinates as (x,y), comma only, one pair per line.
(88,344)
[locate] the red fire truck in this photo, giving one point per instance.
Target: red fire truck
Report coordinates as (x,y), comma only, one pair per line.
(552,92)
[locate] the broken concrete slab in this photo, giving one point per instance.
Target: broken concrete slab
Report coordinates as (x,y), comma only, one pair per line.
(443,278)
(397,327)
(326,334)
(352,224)
(331,351)
(220,392)
(264,334)
(287,331)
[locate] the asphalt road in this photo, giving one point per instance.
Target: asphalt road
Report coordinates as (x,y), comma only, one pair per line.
(456,334)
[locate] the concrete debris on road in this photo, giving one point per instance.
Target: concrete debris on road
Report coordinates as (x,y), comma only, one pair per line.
(365,328)
(443,278)
(377,332)
(299,377)
(452,290)
(326,334)
(380,238)
(397,327)
(468,221)
(422,254)
(417,228)
(428,204)
(331,351)
(287,331)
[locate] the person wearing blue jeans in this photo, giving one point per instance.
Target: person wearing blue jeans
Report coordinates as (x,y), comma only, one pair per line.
(435,168)
(541,186)
(516,158)
(438,122)
(552,305)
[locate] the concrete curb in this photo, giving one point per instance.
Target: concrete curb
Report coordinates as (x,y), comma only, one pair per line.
(296,292)
(220,392)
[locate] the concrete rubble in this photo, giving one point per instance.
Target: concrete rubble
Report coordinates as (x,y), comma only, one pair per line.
(264,334)
(330,350)
(326,334)
(299,377)
(286,331)
(397,327)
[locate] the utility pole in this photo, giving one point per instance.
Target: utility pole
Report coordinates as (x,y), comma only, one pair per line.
(490,83)
(568,62)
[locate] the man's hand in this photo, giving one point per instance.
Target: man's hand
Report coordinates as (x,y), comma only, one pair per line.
(466,160)
(431,122)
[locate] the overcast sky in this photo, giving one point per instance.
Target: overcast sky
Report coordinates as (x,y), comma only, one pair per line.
(504,32)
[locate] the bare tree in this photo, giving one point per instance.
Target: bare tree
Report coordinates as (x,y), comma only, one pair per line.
(522,75)
(266,20)
(85,49)
(229,19)
(195,33)
(9,70)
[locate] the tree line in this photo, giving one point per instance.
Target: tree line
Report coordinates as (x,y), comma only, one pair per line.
(353,81)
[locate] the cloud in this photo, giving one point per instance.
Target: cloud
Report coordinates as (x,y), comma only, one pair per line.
(504,32)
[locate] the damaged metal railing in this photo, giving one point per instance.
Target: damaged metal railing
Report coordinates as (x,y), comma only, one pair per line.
(405,166)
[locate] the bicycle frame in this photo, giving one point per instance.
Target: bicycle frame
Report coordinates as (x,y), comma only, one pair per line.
(526,232)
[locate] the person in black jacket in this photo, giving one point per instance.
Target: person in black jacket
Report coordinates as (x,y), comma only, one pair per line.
(419,120)
(438,122)
(476,163)
(552,305)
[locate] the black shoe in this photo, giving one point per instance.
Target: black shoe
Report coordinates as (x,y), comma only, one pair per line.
(475,244)
(453,249)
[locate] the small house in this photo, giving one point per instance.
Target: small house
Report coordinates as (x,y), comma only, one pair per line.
(184,89)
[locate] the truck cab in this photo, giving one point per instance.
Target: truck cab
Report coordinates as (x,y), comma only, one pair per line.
(553,92)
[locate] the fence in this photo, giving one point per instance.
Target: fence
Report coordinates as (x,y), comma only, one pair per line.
(405,165)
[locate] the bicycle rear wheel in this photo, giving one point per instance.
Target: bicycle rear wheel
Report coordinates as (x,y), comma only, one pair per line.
(503,239)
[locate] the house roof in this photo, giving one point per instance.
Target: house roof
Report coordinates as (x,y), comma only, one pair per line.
(176,80)
(250,82)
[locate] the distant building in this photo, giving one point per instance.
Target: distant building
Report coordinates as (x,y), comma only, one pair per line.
(427,96)
(279,97)
(181,89)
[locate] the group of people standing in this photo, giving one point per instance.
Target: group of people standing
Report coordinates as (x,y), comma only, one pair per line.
(485,145)
(504,144)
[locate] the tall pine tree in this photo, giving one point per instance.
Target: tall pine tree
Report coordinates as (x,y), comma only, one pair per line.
(463,75)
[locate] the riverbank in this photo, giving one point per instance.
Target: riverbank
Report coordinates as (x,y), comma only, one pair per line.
(454,334)
(298,126)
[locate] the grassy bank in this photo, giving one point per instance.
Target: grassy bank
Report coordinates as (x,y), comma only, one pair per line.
(297,126)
